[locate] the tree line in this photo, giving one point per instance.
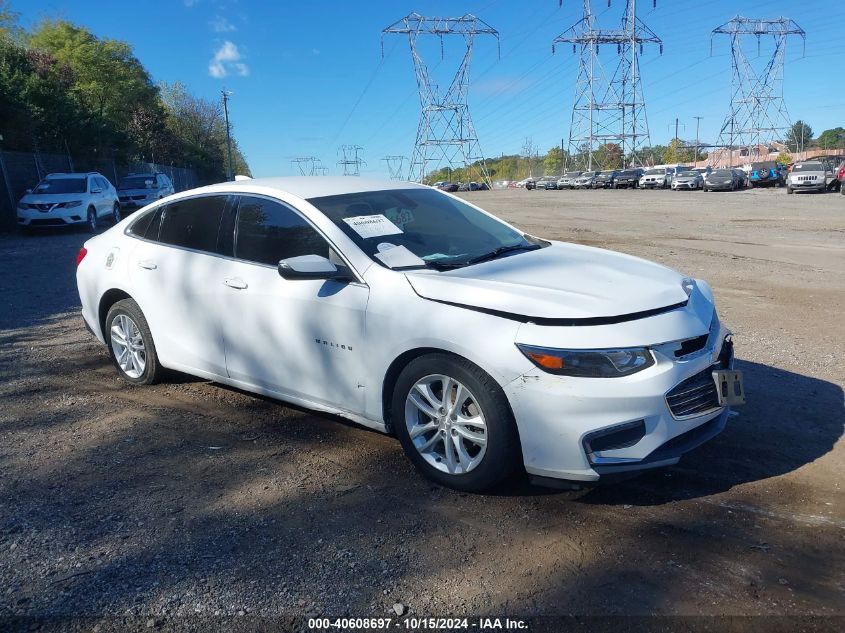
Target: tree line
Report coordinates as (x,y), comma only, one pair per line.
(65,90)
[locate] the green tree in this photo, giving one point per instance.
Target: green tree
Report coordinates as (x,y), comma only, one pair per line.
(553,162)
(831,139)
(678,151)
(9,27)
(109,82)
(783,158)
(799,136)
(607,156)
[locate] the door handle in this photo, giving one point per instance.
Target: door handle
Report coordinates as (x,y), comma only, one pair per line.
(235,282)
(147,264)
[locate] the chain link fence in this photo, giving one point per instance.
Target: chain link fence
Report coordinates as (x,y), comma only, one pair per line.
(23,170)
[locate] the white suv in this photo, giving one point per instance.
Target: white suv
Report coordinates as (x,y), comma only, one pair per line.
(67,199)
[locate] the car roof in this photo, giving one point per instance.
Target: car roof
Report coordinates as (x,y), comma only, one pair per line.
(313,186)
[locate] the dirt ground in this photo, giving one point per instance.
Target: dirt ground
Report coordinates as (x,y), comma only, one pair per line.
(190,499)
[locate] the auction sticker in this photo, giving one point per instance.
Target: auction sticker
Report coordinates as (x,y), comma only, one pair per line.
(372,225)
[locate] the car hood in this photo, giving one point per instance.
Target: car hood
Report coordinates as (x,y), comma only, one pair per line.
(52,198)
(561,281)
(137,192)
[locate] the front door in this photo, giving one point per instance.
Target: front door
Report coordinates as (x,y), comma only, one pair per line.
(302,338)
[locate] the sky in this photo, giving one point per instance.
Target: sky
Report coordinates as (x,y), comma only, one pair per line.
(308,76)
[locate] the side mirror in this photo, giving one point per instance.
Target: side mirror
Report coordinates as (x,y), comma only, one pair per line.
(313,267)
(29,190)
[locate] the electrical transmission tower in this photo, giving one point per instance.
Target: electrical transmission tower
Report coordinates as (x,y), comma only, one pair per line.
(445,132)
(609,109)
(308,165)
(351,162)
(395,166)
(758,114)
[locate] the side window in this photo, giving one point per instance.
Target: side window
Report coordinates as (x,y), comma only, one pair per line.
(147,225)
(268,231)
(193,223)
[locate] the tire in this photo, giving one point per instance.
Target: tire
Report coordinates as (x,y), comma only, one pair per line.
(485,465)
(790,190)
(115,213)
(127,316)
(92,220)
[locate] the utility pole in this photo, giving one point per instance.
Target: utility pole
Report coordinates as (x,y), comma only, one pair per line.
(697,123)
(229,166)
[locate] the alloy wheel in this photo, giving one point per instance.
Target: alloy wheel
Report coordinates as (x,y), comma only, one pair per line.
(446,424)
(92,220)
(116,216)
(128,346)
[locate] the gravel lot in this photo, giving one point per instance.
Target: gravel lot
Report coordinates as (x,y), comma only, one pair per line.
(190,499)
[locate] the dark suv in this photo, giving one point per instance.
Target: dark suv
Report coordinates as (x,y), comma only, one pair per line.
(138,190)
(605,179)
(628,178)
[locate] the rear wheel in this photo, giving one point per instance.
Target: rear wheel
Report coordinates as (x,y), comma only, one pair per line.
(115,213)
(131,345)
(454,423)
(789,190)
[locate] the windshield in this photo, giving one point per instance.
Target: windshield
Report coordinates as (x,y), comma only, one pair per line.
(688,174)
(572,174)
(438,230)
(137,182)
(722,173)
(61,185)
(808,167)
(655,172)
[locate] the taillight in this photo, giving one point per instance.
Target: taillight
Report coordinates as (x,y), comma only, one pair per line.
(81,255)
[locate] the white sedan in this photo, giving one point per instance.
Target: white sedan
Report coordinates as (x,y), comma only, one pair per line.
(408,310)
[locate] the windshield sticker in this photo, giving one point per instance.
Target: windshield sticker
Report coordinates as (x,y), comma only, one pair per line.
(399,257)
(372,225)
(384,246)
(399,217)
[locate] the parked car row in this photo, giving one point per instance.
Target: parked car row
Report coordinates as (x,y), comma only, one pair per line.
(460,186)
(71,199)
(812,175)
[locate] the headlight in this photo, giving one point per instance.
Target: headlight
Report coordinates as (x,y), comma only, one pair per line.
(598,363)
(72,204)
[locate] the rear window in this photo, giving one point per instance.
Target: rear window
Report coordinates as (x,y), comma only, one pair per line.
(61,185)
(193,223)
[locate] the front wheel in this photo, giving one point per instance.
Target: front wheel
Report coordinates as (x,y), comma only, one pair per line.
(115,213)
(454,423)
(131,345)
(92,219)
(789,190)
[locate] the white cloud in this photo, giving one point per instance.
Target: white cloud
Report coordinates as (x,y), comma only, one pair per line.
(227,60)
(221,25)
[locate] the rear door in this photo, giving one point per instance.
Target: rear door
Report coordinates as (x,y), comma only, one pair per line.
(174,269)
(303,338)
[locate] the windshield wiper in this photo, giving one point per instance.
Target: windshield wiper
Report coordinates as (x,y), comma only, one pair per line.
(496,252)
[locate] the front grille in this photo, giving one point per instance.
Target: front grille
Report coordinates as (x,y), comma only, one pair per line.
(806,178)
(694,396)
(692,345)
(47,222)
